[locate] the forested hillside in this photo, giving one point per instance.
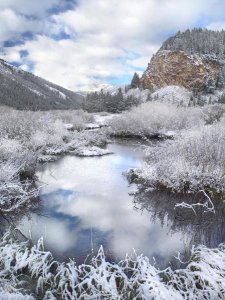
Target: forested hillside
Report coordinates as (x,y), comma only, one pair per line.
(198,41)
(23,90)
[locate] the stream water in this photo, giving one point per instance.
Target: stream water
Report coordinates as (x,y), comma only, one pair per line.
(87,202)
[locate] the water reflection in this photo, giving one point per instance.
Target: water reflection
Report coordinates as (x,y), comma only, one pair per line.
(202,227)
(9,219)
(87,204)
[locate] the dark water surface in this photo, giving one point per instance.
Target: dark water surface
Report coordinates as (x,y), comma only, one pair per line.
(87,203)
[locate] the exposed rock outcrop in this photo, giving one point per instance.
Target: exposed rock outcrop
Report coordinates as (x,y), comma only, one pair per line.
(183,61)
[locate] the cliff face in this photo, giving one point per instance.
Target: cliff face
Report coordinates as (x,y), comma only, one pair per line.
(193,59)
(179,68)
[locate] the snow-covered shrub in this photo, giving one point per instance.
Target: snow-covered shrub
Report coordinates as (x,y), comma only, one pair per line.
(174,94)
(53,134)
(77,118)
(84,139)
(132,278)
(192,162)
(155,118)
(30,137)
(16,161)
(213,113)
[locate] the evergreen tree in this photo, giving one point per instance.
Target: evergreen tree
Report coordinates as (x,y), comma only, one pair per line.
(149,98)
(221,99)
(135,82)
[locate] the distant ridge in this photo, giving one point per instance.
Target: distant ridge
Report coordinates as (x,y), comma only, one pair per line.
(25,91)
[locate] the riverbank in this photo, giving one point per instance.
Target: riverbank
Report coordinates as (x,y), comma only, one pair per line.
(27,138)
(131,278)
(191,162)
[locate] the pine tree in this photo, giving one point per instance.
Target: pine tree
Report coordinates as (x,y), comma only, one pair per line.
(149,98)
(221,99)
(135,82)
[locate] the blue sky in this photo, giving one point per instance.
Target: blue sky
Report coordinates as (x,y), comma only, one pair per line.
(85,44)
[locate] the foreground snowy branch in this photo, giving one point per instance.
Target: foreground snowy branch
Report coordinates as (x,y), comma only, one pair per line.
(207,206)
(131,278)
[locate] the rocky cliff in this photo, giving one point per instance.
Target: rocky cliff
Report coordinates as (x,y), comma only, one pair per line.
(197,70)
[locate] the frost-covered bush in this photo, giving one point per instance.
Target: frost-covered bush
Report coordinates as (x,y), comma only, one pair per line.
(155,118)
(213,113)
(30,137)
(25,125)
(192,162)
(77,118)
(16,161)
(132,278)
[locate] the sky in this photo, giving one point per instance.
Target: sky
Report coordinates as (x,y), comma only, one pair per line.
(86,44)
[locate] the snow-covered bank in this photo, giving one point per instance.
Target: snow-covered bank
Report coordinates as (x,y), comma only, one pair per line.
(155,119)
(91,151)
(192,162)
(193,154)
(27,138)
(131,278)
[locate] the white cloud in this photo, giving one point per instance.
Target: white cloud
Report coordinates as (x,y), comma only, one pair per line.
(109,38)
(9,20)
(28,7)
(216,26)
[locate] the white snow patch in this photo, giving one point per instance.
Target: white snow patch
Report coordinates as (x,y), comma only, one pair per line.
(68,126)
(62,95)
(36,92)
(47,158)
(91,151)
(137,93)
(92,126)
(102,120)
(173,93)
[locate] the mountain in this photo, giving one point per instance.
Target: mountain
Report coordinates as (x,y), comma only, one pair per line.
(194,59)
(23,90)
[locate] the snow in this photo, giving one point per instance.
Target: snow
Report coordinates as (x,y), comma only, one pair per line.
(135,92)
(202,278)
(174,94)
(155,118)
(46,158)
(191,163)
(138,93)
(102,120)
(5,295)
(36,92)
(91,151)
(92,126)
(62,95)
(6,67)
(68,126)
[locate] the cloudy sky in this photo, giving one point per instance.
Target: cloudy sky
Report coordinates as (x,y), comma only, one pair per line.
(81,44)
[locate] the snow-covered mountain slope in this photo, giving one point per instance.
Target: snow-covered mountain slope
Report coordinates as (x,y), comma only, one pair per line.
(24,90)
(193,59)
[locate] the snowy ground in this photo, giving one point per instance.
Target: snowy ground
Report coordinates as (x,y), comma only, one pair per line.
(173,94)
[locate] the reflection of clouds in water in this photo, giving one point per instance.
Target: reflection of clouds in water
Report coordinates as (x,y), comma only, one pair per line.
(56,233)
(129,228)
(93,191)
